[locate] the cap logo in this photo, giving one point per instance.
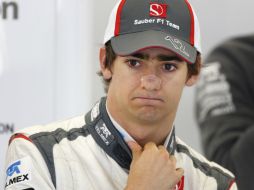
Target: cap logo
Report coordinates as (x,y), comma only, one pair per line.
(177,45)
(158,10)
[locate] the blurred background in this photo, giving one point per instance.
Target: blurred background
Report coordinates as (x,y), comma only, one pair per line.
(49,58)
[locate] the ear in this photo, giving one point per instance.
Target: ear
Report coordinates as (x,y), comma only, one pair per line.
(192,80)
(106,72)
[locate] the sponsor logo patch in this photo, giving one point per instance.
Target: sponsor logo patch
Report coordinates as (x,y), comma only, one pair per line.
(214,95)
(13,168)
(158,10)
(18,172)
(104,133)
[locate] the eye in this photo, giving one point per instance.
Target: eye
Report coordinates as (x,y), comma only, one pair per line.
(169,67)
(133,63)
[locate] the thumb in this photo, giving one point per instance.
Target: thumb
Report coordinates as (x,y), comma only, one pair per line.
(136,149)
(179,172)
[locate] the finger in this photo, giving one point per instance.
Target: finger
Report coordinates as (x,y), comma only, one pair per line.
(163,151)
(161,147)
(136,149)
(150,145)
(172,159)
(179,173)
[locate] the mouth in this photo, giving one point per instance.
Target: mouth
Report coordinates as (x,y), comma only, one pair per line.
(148,99)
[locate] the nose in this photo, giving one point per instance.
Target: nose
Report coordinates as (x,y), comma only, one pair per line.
(150,82)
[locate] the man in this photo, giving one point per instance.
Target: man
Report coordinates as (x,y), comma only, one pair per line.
(225,104)
(127,140)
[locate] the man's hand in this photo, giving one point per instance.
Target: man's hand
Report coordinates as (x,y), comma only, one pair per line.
(152,168)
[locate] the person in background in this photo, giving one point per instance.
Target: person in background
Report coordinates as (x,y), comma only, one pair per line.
(225,107)
(127,141)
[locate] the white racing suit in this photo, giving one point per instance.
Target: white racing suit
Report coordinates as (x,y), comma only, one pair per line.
(87,152)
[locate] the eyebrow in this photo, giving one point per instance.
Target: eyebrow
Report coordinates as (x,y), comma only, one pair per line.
(160,57)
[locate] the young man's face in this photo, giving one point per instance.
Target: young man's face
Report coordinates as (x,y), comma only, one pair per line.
(146,87)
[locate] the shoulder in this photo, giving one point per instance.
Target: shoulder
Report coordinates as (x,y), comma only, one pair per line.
(233,49)
(33,146)
(237,42)
(52,128)
(66,124)
(199,159)
(201,169)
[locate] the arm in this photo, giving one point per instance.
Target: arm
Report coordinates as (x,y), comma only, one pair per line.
(25,167)
(225,109)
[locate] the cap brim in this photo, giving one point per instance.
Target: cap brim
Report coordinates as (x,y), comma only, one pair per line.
(127,44)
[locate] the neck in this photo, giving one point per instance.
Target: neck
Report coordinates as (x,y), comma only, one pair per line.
(148,133)
(144,131)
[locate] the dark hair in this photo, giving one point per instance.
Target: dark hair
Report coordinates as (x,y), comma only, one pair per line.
(193,69)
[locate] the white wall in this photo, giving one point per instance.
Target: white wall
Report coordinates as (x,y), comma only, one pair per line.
(27,91)
(50,56)
(74,58)
(46,73)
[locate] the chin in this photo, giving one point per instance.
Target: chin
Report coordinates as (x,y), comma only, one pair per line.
(149,117)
